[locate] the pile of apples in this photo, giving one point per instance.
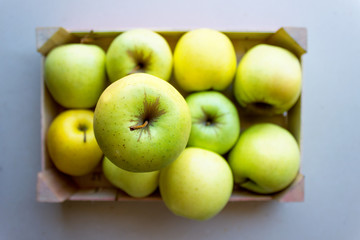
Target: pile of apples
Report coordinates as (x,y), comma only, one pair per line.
(148,135)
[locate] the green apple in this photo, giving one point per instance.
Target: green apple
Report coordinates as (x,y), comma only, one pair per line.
(142,123)
(268,80)
(204,59)
(215,121)
(197,185)
(139,50)
(137,185)
(71,142)
(75,74)
(266,158)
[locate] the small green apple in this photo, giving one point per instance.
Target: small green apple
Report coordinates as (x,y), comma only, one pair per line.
(75,74)
(204,59)
(137,185)
(139,50)
(268,80)
(197,185)
(71,142)
(142,123)
(266,158)
(215,121)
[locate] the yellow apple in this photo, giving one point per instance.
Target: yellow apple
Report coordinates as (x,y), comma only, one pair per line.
(136,184)
(268,80)
(204,59)
(197,185)
(71,142)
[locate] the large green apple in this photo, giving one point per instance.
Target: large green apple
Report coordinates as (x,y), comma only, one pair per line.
(266,158)
(71,142)
(215,121)
(142,123)
(139,50)
(137,185)
(75,74)
(268,80)
(204,59)
(197,185)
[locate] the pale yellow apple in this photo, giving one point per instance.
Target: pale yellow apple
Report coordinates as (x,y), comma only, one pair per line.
(197,185)
(71,142)
(136,184)
(139,50)
(268,80)
(204,59)
(266,159)
(75,74)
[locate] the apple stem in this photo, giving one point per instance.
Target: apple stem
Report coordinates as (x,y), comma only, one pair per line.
(139,126)
(137,69)
(84,136)
(88,38)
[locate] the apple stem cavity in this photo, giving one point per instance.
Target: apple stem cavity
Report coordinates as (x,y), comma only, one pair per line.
(150,113)
(209,119)
(262,105)
(141,59)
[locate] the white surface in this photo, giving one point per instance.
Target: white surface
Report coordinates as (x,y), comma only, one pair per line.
(331,115)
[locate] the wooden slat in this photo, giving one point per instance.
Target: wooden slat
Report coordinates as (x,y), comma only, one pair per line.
(48,38)
(299,35)
(244,196)
(294,193)
(293,39)
(52,186)
(95,179)
(122,196)
(94,194)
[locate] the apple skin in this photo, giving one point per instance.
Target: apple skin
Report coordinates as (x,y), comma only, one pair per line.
(75,74)
(137,185)
(71,142)
(268,80)
(204,59)
(215,121)
(266,159)
(197,185)
(139,50)
(128,104)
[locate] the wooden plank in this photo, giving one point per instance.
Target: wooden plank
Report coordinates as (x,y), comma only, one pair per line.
(245,196)
(94,194)
(52,186)
(48,38)
(94,179)
(293,39)
(122,196)
(299,35)
(294,193)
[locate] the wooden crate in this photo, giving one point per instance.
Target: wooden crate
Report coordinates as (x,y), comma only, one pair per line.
(53,186)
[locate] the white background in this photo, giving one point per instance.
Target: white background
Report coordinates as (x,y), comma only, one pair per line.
(331,117)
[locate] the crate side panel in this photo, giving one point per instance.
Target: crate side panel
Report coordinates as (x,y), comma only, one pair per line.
(52,186)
